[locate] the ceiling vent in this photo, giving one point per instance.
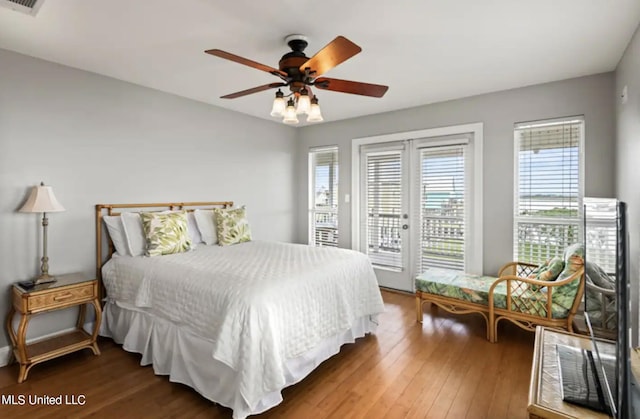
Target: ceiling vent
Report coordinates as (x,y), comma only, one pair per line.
(29,7)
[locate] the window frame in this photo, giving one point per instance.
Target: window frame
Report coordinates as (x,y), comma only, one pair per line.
(313,210)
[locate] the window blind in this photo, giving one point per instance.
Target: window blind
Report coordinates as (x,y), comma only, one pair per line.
(548,193)
(383,176)
(601,233)
(323,212)
(442,207)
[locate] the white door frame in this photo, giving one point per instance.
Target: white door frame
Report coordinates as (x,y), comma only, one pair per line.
(474,264)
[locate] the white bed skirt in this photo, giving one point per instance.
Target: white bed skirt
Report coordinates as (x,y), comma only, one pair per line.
(186,358)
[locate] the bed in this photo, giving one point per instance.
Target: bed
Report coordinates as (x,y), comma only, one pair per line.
(236,323)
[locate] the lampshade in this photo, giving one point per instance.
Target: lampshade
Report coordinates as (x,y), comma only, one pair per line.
(304,102)
(278,104)
(314,111)
(290,116)
(42,199)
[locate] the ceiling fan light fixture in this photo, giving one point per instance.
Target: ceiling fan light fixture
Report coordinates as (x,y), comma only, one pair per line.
(298,72)
(304,102)
(279,104)
(290,116)
(314,111)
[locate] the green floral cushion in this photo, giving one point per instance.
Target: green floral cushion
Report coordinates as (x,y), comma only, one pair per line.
(475,289)
(165,232)
(460,285)
(564,295)
(233,226)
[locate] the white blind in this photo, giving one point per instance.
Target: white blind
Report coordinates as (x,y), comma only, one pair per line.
(548,193)
(323,214)
(383,176)
(601,232)
(442,207)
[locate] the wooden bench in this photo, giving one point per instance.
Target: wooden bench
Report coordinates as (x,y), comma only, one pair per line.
(512,296)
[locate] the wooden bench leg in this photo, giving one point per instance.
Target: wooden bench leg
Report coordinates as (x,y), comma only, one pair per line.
(419,309)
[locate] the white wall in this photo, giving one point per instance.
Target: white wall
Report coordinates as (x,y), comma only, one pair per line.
(588,96)
(100,140)
(628,156)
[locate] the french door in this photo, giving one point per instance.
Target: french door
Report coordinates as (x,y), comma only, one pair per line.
(385,212)
(414,204)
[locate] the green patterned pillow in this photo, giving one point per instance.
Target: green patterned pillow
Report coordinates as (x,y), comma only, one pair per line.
(233,226)
(165,232)
(549,270)
(564,295)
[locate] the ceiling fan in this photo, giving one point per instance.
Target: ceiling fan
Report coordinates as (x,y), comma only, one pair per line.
(299,73)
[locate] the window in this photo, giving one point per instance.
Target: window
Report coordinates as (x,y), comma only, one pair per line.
(323,196)
(442,205)
(601,232)
(549,190)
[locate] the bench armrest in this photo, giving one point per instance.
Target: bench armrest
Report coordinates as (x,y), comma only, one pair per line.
(531,295)
(515,268)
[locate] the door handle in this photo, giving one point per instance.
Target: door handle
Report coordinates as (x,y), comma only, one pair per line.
(405,226)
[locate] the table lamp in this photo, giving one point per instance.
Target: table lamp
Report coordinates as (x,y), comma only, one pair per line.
(42,200)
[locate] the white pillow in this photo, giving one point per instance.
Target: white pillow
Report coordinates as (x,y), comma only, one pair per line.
(136,240)
(117,234)
(192,229)
(207,226)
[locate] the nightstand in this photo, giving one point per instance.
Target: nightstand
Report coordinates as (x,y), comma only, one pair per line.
(68,291)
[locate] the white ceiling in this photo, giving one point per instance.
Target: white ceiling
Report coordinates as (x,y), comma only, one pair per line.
(425,51)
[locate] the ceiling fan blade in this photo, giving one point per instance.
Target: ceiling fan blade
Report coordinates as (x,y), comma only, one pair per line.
(252,90)
(241,60)
(334,53)
(353,87)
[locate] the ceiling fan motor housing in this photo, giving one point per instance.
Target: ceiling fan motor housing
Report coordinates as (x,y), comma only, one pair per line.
(290,62)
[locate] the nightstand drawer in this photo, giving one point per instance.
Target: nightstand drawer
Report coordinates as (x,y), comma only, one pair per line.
(62,297)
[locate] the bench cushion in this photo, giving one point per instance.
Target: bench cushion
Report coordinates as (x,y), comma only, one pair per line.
(461,286)
(475,289)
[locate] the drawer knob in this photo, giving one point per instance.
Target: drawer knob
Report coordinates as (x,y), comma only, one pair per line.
(63,297)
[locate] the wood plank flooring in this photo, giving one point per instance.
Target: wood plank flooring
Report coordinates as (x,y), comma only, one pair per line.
(444,369)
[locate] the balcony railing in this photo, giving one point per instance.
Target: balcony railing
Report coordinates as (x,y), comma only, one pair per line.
(324,227)
(442,241)
(540,240)
(384,244)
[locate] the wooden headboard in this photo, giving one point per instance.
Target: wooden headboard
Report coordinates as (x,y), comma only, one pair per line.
(117,209)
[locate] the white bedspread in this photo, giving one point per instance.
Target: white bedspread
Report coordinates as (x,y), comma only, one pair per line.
(259,303)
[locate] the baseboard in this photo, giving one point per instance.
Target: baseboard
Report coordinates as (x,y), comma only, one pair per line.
(5,351)
(396,291)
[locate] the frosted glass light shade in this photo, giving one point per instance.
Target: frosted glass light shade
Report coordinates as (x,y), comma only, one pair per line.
(278,107)
(314,113)
(290,116)
(42,199)
(304,103)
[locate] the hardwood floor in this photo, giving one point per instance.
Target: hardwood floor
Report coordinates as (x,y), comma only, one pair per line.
(444,369)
